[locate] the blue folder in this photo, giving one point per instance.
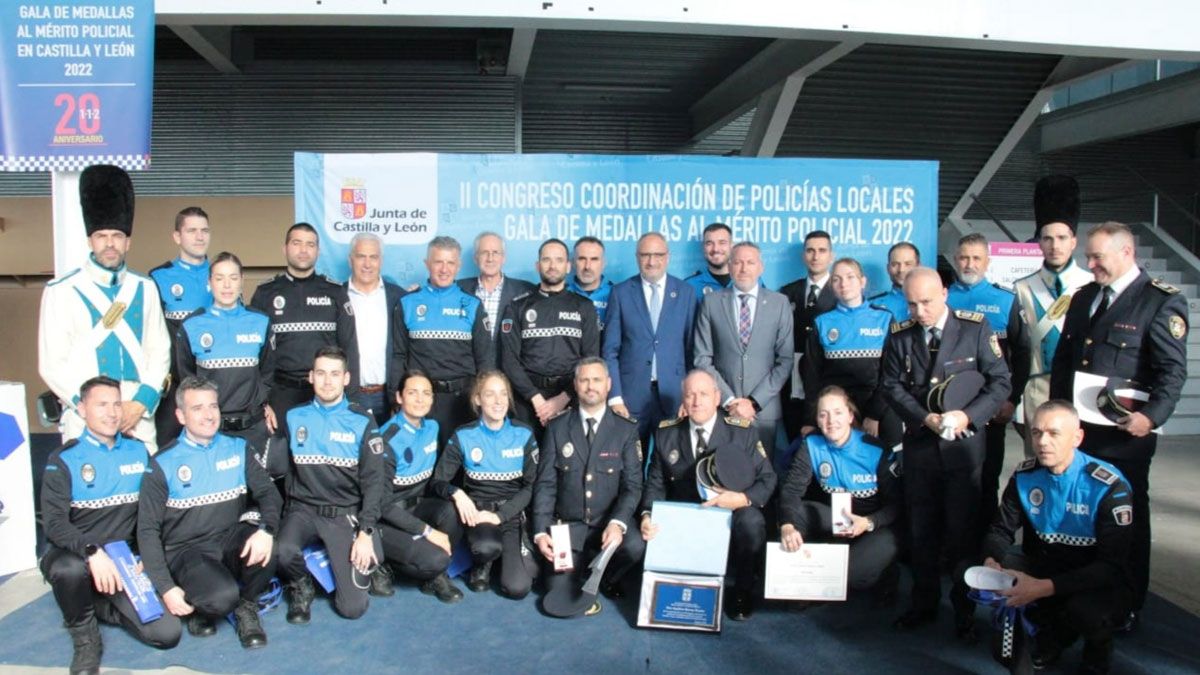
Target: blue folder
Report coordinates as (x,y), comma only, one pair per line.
(692,539)
(137,585)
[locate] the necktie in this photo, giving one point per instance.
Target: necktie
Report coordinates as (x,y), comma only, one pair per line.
(1103,306)
(701,444)
(744,319)
(591,430)
(655,305)
(1057,286)
(935,340)
(812,295)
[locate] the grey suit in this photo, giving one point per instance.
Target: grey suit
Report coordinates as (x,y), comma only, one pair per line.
(756,371)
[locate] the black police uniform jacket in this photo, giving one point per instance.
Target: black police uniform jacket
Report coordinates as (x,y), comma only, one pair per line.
(542,336)
(672,475)
(968,343)
(1142,337)
(803,317)
(306,315)
(588,485)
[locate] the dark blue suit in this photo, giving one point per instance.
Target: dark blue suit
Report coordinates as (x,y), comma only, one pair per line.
(630,341)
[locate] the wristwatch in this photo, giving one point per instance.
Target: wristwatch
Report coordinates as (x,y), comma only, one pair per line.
(90,550)
(369,531)
(870,525)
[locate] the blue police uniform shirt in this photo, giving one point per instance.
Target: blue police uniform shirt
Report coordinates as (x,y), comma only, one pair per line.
(703,282)
(415,449)
(326,435)
(103,476)
(893,301)
(598,296)
(1063,509)
(849,468)
(440,313)
(183,287)
(493,454)
(991,300)
(227,338)
(853,332)
(200,475)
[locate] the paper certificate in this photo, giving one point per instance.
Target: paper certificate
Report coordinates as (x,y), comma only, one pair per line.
(815,572)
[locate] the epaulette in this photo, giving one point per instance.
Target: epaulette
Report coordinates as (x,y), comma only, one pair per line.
(969,316)
(880,308)
(66,276)
(693,274)
(1101,473)
(326,277)
(670,423)
(877,296)
(898,326)
(1027,465)
(1003,287)
(522,296)
(165,266)
(737,421)
(631,420)
(69,444)
(1164,287)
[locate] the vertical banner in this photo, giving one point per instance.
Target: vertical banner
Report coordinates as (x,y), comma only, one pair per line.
(76,83)
(18,539)
(407,199)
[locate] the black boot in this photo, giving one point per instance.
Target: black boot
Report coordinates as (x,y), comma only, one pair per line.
(1097,656)
(443,588)
(299,597)
(86,638)
(199,625)
(883,594)
(249,628)
(381,582)
(481,577)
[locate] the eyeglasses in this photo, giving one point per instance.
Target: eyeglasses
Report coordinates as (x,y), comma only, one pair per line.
(652,256)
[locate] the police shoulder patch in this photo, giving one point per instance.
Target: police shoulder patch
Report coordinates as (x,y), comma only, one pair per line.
(670,423)
(974,317)
(737,421)
(376,445)
(1123,514)
(1102,474)
(1027,465)
(898,326)
(349,308)
(1164,287)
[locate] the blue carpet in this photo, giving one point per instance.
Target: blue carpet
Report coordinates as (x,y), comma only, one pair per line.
(487,633)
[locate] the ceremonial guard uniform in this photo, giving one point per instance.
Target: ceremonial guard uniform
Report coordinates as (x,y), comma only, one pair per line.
(334,492)
(307,313)
(942,477)
(183,289)
(499,468)
(89,499)
(441,331)
(871,475)
(1077,533)
(193,524)
(999,305)
(845,349)
(598,296)
(1141,337)
(542,336)
(409,512)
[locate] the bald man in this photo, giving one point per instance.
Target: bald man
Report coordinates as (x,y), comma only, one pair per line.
(943,449)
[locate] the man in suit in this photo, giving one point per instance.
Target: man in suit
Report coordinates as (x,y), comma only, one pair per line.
(590,478)
(743,338)
(810,296)
(1125,325)
(744,470)
(943,450)
(374,301)
(648,338)
(495,290)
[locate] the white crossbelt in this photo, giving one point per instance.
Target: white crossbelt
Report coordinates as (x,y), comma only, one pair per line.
(121,330)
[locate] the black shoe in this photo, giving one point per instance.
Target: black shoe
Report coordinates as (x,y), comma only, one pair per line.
(612,590)
(884,592)
(86,640)
(1097,657)
(381,582)
(199,625)
(915,618)
(742,606)
(1131,622)
(964,628)
(444,589)
(300,595)
(249,628)
(1046,651)
(481,577)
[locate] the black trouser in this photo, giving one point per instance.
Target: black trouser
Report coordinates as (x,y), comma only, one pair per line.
(77,597)
(870,553)
(451,408)
(747,537)
(793,412)
(418,558)
(507,542)
(288,393)
(1137,474)
(993,466)
(942,508)
(375,402)
(301,526)
(627,557)
(209,570)
(166,426)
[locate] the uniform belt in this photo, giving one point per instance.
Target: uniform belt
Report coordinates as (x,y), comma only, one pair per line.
(240,421)
(290,381)
(450,386)
(371,389)
(558,383)
(328,511)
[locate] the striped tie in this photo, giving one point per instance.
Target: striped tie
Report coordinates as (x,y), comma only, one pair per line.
(744,319)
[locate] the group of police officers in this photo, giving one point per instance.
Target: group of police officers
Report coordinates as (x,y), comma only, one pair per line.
(386,425)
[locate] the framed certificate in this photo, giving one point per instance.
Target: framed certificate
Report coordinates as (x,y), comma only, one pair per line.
(815,572)
(681,602)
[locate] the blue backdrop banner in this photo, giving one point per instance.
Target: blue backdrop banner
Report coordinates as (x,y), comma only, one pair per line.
(407,199)
(76,81)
